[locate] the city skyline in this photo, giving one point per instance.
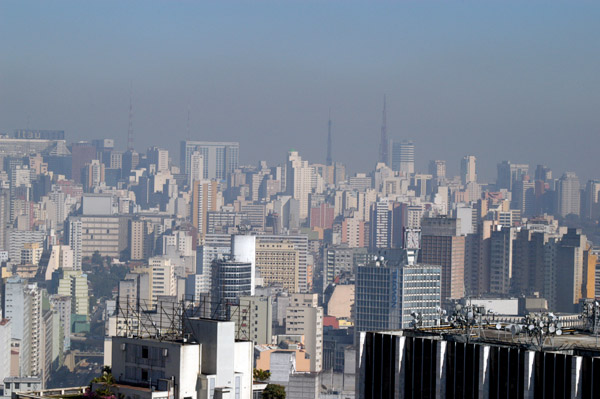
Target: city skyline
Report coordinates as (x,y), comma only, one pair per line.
(459,79)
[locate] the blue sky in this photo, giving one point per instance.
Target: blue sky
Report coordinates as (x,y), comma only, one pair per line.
(496,79)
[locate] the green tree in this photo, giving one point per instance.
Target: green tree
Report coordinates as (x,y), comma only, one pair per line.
(97,259)
(261,375)
(274,391)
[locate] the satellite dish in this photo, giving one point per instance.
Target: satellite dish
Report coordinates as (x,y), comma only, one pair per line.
(559,332)
(498,326)
(470,315)
(531,327)
(551,329)
(515,329)
(541,324)
(559,325)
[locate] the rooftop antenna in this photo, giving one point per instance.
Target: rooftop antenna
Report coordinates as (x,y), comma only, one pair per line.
(383,144)
(329,160)
(130,128)
(188,136)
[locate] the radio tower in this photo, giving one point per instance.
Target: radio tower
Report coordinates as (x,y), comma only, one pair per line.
(130,129)
(329,160)
(383,144)
(188,136)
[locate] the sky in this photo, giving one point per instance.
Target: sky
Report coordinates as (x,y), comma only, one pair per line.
(501,80)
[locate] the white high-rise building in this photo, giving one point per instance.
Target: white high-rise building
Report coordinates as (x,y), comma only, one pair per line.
(468,173)
(243,249)
(298,181)
(196,168)
(75,235)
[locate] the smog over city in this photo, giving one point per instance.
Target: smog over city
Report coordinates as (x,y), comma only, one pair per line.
(246,199)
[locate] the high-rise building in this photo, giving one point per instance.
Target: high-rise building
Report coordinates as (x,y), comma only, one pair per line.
(442,245)
(204,199)
(591,201)
(196,172)
(501,255)
(159,157)
(387,293)
(523,197)
(509,172)
(437,169)
(468,173)
(230,281)
(278,263)
(403,156)
(298,176)
(305,317)
(568,194)
(220,158)
(82,153)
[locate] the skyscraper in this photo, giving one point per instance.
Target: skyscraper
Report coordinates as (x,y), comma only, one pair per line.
(468,172)
(568,194)
(298,175)
(441,245)
(220,158)
(403,156)
(204,199)
(437,169)
(509,172)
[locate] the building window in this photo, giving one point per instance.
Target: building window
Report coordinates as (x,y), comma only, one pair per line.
(144,352)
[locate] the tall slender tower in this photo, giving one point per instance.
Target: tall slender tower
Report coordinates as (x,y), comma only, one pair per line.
(130,128)
(329,160)
(383,144)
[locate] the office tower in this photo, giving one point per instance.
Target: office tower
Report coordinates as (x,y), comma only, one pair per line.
(278,264)
(523,197)
(568,194)
(383,140)
(403,156)
(220,158)
(304,317)
(204,199)
(196,172)
(442,246)
(591,201)
(298,176)
(468,172)
(437,169)
(106,234)
(387,293)
(300,243)
(501,255)
(386,225)
(243,249)
(163,279)
(230,281)
(82,153)
(508,173)
(159,157)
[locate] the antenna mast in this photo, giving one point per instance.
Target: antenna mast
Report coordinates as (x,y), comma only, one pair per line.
(383,144)
(329,160)
(130,128)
